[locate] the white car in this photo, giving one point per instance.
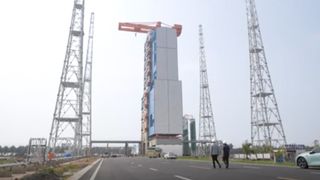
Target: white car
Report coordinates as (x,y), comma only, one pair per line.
(310,158)
(170,155)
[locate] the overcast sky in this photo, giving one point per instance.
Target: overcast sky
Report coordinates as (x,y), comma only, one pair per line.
(33,39)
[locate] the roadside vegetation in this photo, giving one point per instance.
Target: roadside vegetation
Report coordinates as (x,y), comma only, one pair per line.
(263,162)
(51,171)
(60,171)
(7,160)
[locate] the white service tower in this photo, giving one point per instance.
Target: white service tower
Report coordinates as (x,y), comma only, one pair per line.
(161,122)
(165,92)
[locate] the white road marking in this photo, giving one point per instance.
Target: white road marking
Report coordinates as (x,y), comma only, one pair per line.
(315,172)
(152,169)
(199,167)
(181,177)
(139,165)
(284,178)
(251,167)
(80,173)
(96,171)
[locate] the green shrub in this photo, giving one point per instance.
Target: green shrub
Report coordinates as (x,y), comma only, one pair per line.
(5,173)
(31,168)
(18,170)
(48,173)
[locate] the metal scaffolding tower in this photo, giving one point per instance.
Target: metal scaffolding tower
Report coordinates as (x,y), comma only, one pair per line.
(36,150)
(87,93)
(266,124)
(206,123)
(145,97)
(66,129)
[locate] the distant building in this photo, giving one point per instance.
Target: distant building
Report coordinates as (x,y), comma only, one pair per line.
(292,150)
(189,135)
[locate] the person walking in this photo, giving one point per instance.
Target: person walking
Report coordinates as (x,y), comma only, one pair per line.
(215,151)
(226,153)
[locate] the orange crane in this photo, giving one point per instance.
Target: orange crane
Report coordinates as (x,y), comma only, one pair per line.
(146,27)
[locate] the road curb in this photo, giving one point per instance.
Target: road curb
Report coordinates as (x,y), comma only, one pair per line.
(242,163)
(80,173)
(267,165)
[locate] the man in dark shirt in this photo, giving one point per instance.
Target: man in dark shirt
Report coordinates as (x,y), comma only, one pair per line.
(226,153)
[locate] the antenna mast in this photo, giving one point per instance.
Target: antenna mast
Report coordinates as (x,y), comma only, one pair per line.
(87,92)
(207,130)
(66,128)
(266,124)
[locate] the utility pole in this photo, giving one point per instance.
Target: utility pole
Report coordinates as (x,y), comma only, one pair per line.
(66,128)
(207,130)
(266,124)
(87,92)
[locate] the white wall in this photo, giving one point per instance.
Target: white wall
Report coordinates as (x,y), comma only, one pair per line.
(175,107)
(167,87)
(161,109)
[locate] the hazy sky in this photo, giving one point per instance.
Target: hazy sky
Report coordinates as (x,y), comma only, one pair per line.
(33,39)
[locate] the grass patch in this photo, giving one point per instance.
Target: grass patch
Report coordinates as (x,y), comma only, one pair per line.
(7,161)
(18,170)
(5,173)
(195,158)
(45,173)
(263,162)
(50,172)
(32,168)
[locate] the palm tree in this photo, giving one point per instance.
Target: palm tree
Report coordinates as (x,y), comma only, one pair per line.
(246,148)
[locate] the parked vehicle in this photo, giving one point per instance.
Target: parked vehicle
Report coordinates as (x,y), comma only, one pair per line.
(105,155)
(310,158)
(170,155)
(153,152)
(115,155)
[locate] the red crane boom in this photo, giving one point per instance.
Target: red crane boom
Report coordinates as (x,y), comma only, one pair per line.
(146,27)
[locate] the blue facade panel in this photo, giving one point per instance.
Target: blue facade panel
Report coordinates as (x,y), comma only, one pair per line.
(151,118)
(151,122)
(154,56)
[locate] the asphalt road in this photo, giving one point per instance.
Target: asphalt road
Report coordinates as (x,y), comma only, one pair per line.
(140,168)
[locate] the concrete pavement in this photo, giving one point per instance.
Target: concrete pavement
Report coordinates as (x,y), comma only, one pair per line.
(140,168)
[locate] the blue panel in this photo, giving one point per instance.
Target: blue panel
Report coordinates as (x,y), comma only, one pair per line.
(151,112)
(154,57)
(153,35)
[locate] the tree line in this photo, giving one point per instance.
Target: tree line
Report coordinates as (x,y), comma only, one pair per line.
(19,150)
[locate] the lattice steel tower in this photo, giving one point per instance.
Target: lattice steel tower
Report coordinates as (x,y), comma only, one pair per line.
(66,129)
(206,123)
(87,92)
(266,124)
